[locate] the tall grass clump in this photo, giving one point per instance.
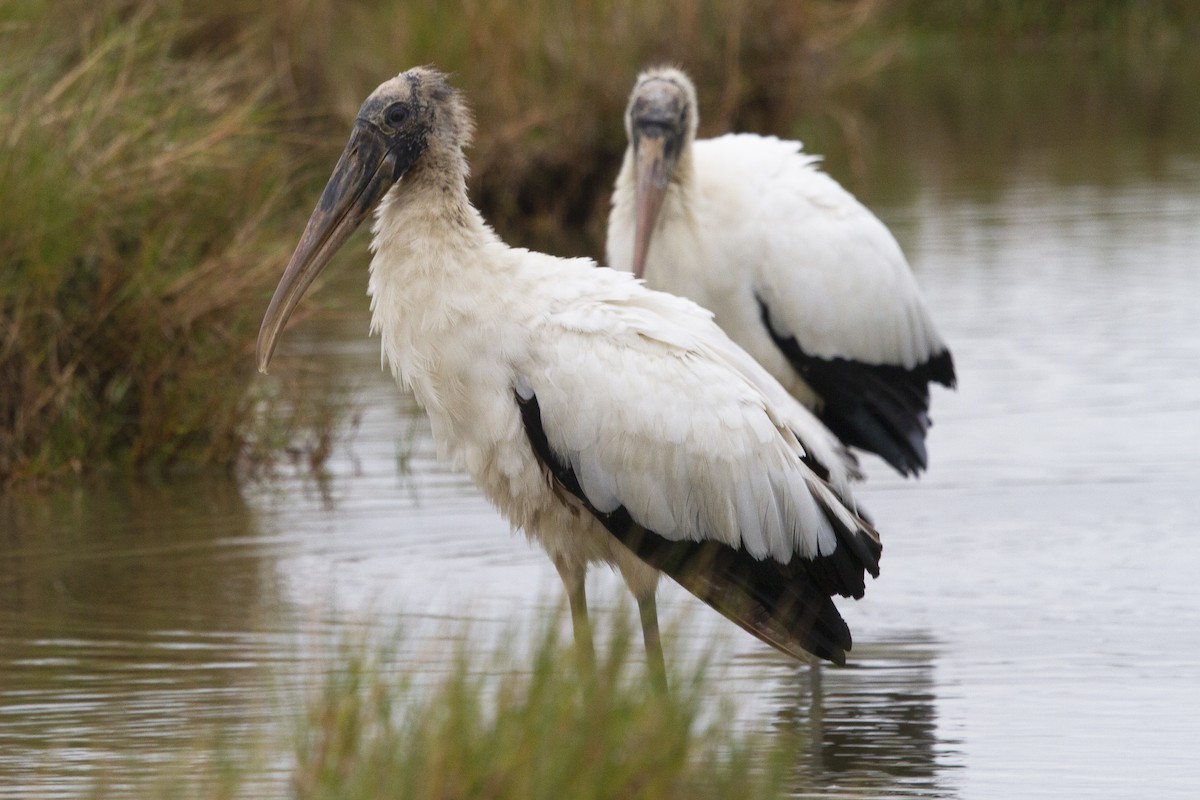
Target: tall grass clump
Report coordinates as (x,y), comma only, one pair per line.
(137,183)
(1136,27)
(527,726)
(549,82)
(158,156)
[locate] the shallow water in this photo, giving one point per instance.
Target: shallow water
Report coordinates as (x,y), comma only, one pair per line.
(1035,631)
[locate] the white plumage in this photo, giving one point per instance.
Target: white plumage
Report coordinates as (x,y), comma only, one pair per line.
(748,226)
(598,416)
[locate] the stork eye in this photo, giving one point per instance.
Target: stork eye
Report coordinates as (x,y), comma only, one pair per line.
(397,114)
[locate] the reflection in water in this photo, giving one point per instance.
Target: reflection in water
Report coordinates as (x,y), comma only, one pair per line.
(868,730)
(134,625)
(969,124)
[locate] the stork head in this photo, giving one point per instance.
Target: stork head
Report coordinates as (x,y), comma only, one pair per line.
(413,120)
(661,123)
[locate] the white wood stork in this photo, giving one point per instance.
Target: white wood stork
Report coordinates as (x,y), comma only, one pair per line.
(796,270)
(609,422)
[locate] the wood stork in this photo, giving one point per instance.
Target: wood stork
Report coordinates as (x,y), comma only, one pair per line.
(796,270)
(608,422)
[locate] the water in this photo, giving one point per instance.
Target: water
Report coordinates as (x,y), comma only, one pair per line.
(1034,632)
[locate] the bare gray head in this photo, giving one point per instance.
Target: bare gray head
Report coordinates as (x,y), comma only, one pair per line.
(662,103)
(415,124)
(419,116)
(661,121)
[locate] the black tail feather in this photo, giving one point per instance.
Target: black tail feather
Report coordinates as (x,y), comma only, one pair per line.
(858,551)
(785,605)
(778,603)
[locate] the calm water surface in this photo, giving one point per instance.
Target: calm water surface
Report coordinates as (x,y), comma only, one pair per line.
(1035,631)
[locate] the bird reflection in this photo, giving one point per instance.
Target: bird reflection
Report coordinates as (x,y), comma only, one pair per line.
(871,727)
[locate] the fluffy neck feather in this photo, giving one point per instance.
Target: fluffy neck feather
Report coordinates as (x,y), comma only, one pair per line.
(428,270)
(683,176)
(678,199)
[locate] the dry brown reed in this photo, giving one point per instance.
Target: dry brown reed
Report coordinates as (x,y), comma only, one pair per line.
(157,156)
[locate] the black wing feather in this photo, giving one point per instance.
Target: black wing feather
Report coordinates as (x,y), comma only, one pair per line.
(788,606)
(881,408)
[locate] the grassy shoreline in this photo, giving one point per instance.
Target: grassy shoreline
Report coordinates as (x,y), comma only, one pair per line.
(157,153)
(139,188)
(159,157)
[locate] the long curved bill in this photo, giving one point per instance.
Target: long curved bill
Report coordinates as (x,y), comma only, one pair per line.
(362,176)
(652,176)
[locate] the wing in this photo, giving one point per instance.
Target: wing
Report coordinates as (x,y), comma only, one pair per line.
(838,298)
(690,465)
(882,408)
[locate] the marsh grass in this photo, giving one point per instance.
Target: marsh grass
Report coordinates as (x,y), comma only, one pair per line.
(140,190)
(549,82)
(527,723)
(1140,28)
(389,716)
(158,157)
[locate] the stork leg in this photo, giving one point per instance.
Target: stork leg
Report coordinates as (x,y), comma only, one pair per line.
(573,579)
(655,663)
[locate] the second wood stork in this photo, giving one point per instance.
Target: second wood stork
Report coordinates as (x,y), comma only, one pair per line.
(796,270)
(608,422)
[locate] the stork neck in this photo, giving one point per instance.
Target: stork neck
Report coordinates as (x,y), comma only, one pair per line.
(427,220)
(679,188)
(436,186)
(437,271)
(682,177)
(678,202)
(430,268)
